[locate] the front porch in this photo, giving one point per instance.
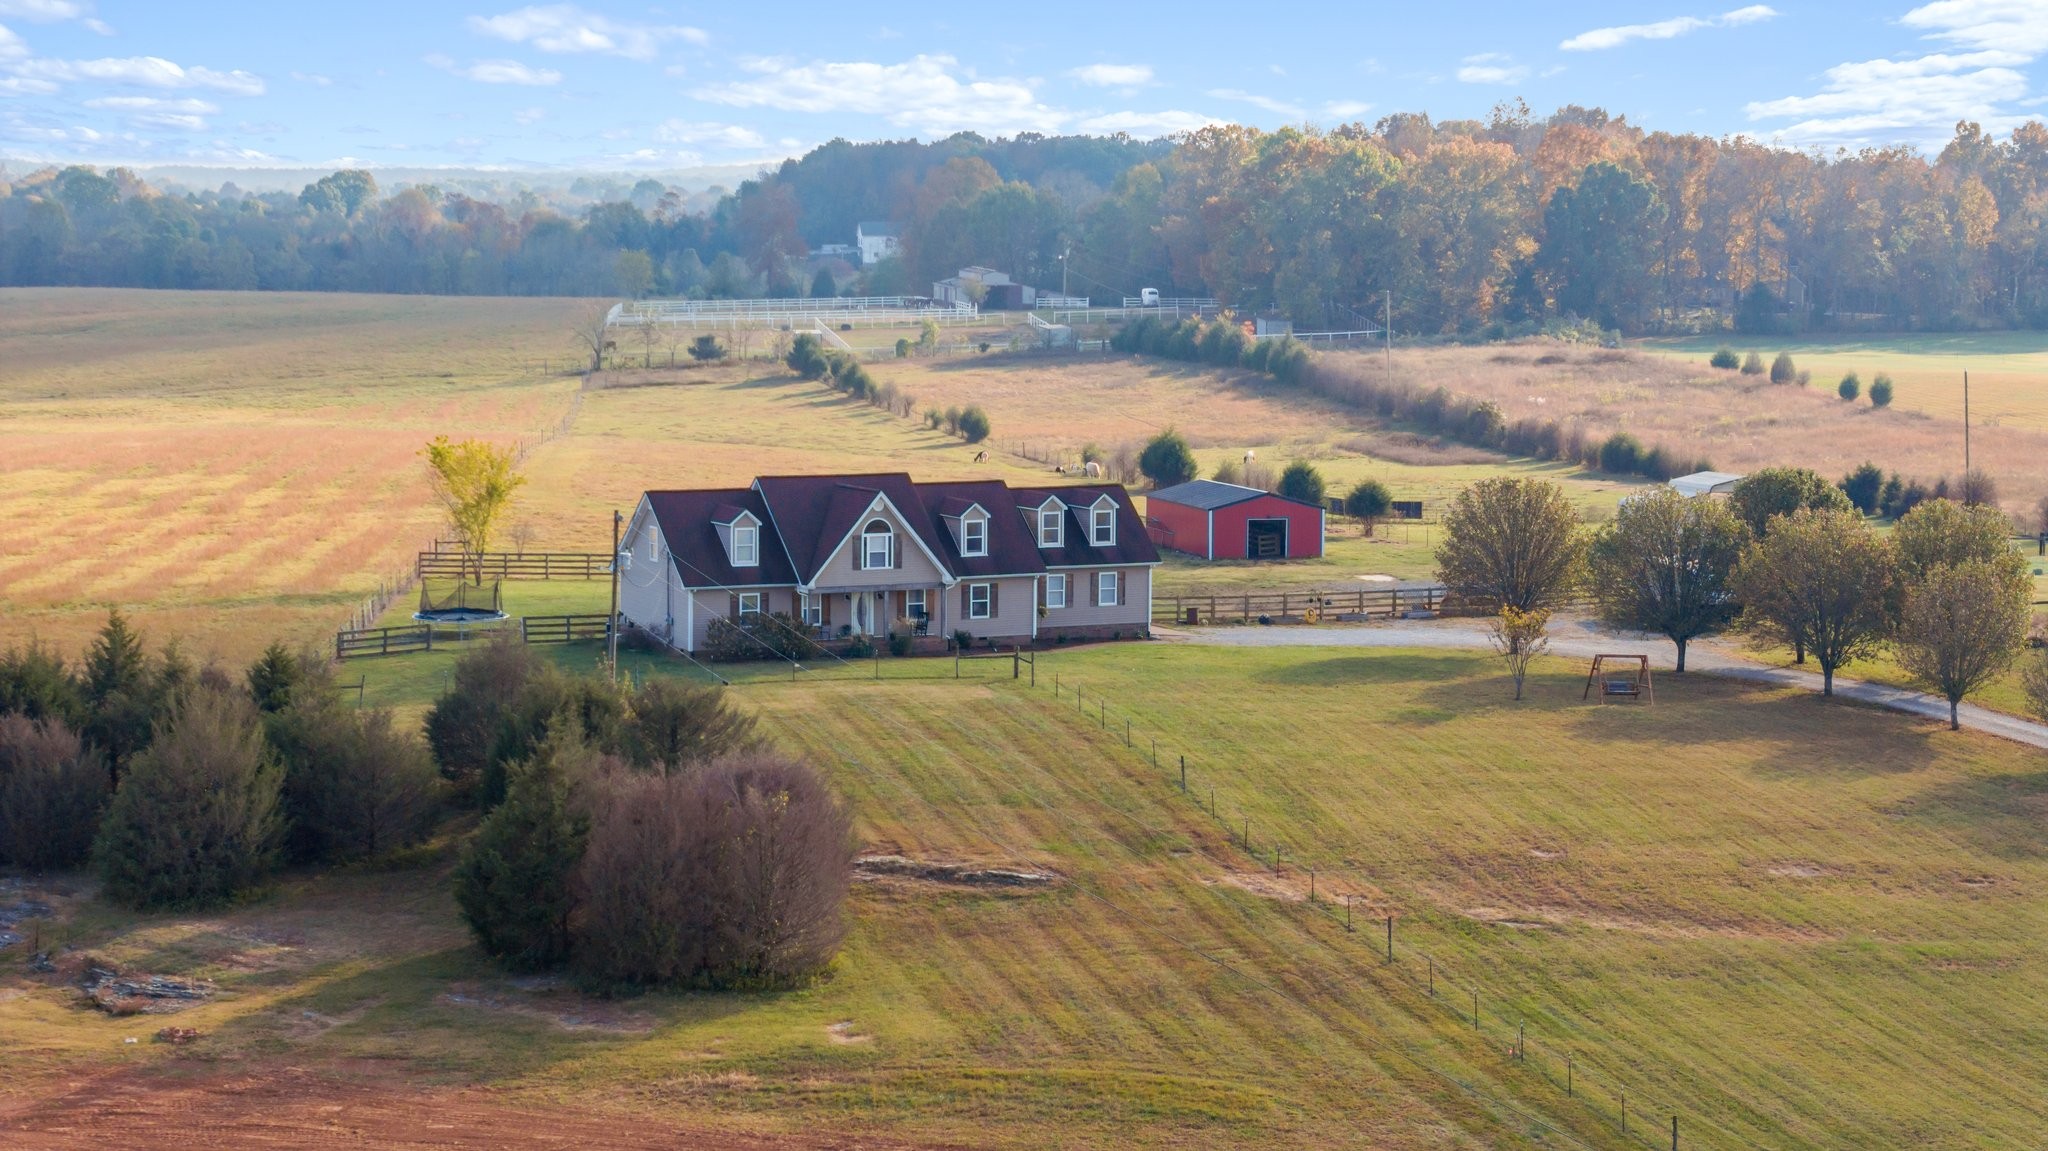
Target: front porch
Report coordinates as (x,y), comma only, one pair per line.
(837,615)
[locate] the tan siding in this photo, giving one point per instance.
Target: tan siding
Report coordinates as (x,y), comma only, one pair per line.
(1081,611)
(917,569)
(1015,604)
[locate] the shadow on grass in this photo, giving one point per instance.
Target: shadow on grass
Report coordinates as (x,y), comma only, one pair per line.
(1384,668)
(2000,815)
(1786,734)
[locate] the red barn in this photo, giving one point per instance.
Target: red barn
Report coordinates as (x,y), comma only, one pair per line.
(1215,520)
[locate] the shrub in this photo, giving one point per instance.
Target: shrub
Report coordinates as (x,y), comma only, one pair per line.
(807,357)
(356,786)
(1167,460)
(466,725)
(514,884)
(1369,501)
(35,682)
(1484,425)
(676,725)
(1091,454)
(1782,369)
(903,348)
(1301,481)
(52,789)
(953,421)
(1849,388)
(736,876)
(273,679)
(196,819)
(1725,359)
(1752,365)
(706,348)
(1863,487)
(933,418)
(1228,472)
(1803,378)
(761,635)
(1880,392)
(1620,454)
(974,426)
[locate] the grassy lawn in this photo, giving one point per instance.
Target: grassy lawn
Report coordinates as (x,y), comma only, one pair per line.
(1792,924)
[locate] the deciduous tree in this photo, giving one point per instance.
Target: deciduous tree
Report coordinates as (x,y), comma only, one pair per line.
(1823,580)
(1665,565)
(1519,637)
(1511,542)
(1962,626)
(474,480)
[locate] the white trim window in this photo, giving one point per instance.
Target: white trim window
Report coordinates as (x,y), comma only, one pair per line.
(750,603)
(914,604)
(746,545)
(1051,527)
(877,545)
(1103,527)
(1055,591)
(974,535)
(1105,588)
(813,610)
(980,601)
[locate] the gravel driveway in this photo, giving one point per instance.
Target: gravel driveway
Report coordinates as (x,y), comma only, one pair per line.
(1580,638)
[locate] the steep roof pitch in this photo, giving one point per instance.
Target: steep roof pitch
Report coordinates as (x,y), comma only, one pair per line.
(687,518)
(1133,543)
(815,514)
(1011,549)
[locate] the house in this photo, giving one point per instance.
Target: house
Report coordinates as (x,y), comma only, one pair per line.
(985,288)
(868,554)
(1705,484)
(1215,520)
(877,240)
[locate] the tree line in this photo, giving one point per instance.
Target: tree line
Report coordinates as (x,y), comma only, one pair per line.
(1473,228)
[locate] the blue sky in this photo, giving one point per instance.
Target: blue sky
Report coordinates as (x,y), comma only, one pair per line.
(626,85)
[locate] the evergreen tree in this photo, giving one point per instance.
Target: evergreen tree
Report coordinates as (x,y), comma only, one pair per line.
(515,882)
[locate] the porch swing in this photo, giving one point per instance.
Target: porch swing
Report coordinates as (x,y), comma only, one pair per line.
(1623,683)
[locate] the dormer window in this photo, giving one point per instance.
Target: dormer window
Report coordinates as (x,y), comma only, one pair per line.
(1102,526)
(974,535)
(746,545)
(877,545)
(1051,530)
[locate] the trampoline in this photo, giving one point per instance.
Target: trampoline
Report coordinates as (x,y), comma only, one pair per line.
(458,602)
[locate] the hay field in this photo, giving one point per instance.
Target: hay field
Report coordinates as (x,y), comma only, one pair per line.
(1739,423)
(1794,923)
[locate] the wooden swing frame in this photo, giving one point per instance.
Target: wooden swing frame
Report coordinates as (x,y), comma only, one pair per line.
(1641,687)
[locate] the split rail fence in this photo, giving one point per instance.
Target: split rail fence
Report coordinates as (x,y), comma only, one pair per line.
(1363,603)
(513,565)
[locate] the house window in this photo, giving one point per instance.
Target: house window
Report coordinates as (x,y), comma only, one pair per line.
(750,603)
(746,545)
(914,604)
(1105,588)
(1055,591)
(877,545)
(813,611)
(1104,527)
(979,601)
(974,536)
(1049,534)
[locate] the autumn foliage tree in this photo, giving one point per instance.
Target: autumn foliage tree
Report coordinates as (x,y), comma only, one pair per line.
(1824,581)
(1665,565)
(1513,542)
(474,482)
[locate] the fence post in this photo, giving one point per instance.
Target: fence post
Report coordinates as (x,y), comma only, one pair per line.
(1567,1077)
(1390,939)
(1127,731)
(1521,1041)
(1183,767)
(1432,977)
(1016,662)
(1674,1133)
(1475,1009)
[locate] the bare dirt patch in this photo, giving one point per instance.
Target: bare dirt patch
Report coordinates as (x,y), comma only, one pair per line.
(897,867)
(844,1034)
(1798,871)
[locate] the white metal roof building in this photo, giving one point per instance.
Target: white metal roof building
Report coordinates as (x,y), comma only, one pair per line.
(1705,484)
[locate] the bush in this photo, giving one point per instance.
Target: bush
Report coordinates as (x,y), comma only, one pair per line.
(1725,359)
(1863,487)
(1782,369)
(735,876)
(974,426)
(1620,454)
(807,357)
(466,725)
(706,348)
(196,820)
(952,421)
(34,682)
(274,678)
(1752,365)
(52,789)
(1369,501)
(1849,388)
(676,725)
(933,418)
(356,786)
(761,635)
(903,348)
(514,884)
(1166,460)
(1228,472)
(1880,392)
(1803,378)
(1301,481)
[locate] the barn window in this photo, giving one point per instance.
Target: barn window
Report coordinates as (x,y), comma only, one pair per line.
(1051,532)
(1105,588)
(746,545)
(878,545)
(1102,527)
(974,536)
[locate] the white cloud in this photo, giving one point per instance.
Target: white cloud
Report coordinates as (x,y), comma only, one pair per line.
(1601,38)
(94,24)
(1277,107)
(1919,99)
(497,72)
(1346,109)
(529,115)
(141,72)
(718,135)
(313,78)
(1145,125)
(12,47)
(922,94)
(1492,68)
(153,104)
(568,29)
(1113,75)
(44,11)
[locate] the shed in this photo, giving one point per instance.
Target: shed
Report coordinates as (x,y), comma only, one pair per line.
(1215,520)
(1705,484)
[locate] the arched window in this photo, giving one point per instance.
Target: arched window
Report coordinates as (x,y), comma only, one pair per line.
(877,545)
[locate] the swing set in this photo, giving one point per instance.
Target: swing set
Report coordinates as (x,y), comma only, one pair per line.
(1623,683)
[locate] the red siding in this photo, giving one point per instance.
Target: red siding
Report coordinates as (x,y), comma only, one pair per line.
(1190,526)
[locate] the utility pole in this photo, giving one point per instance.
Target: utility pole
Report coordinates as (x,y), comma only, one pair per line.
(1063,268)
(611,625)
(1390,340)
(1966,429)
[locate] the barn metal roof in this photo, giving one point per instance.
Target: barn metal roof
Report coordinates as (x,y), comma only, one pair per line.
(1208,495)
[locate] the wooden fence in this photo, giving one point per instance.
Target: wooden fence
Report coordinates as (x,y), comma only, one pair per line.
(353,643)
(513,565)
(564,628)
(1327,605)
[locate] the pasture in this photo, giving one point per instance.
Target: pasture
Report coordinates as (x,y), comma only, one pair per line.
(1789,929)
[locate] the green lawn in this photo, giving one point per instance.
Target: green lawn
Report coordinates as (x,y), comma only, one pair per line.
(1794,923)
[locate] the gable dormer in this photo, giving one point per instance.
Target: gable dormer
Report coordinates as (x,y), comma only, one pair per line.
(739,531)
(1102,522)
(970,528)
(1048,523)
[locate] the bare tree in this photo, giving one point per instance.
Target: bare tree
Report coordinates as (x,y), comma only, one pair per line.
(1519,637)
(593,334)
(521,534)
(650,339)
(1962,626)
(1824,581)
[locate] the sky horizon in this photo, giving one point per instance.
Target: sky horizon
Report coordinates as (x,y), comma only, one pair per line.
(664,87)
